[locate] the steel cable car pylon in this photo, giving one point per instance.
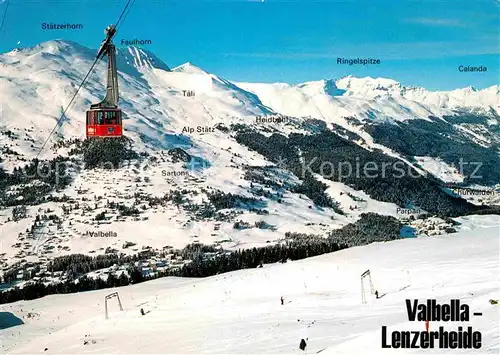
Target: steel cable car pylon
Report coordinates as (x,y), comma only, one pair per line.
(104,119)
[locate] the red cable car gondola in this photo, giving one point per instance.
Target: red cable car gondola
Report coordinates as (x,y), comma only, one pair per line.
(105,118)
(104,123)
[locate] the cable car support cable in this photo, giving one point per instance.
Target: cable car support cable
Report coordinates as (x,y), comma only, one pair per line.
(4,15)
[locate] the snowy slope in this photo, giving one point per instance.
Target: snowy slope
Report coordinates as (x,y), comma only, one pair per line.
(189,68)
(240,312)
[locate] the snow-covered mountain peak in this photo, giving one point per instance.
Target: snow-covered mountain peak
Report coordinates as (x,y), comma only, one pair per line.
(52,47)
(189,68)
(130,59)
(326,86)
(367,85)
(140,59)
(56,47)
(469,89)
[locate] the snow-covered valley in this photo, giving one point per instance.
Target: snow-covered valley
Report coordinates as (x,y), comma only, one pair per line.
(240,312)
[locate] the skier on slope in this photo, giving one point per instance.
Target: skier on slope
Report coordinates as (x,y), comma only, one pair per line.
(282,300)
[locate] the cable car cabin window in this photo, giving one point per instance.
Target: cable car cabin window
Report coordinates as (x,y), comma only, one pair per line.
(91,118)
(99,118)
(110,117)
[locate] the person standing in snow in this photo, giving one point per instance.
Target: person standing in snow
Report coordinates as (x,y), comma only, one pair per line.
(302,345)
(282,300)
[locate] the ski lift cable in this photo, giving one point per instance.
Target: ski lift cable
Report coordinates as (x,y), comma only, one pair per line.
(125,16)
(129,5)
(4,15)
(123,12)
(68,106)
(80,86)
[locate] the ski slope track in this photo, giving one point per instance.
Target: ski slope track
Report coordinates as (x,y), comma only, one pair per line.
(240,312)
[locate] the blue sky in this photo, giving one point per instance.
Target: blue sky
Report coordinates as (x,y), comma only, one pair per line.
(419,42)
